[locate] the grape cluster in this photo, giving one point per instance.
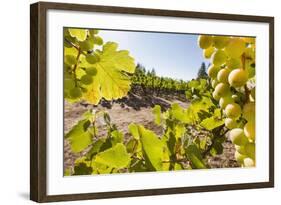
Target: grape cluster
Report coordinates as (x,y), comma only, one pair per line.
(232,75)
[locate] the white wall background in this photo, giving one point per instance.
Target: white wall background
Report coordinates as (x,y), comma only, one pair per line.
(14,103)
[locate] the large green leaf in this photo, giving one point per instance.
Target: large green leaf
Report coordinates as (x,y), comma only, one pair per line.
(153,148)
(79,136)
(79,34)
(115,157)
(194,155)
(211,123)
(111,80)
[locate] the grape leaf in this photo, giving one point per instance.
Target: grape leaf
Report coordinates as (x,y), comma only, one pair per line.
(211,123)
(114,157)
(111,80)
(153,148)
(79,34)
(79,136)
(194,155)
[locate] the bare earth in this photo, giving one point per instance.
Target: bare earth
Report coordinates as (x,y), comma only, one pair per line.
(137,110)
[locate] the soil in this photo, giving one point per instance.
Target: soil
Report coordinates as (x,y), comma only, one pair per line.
(137,109)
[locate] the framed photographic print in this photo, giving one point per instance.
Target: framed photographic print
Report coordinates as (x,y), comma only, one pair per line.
(134,102)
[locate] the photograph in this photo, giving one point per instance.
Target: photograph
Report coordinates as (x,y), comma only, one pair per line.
(146,101)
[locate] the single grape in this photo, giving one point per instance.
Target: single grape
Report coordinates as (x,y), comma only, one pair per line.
(92,58)
(224,101)
(248,162)
(222,89)
(214,83)
(215,96)
(222,75)
(238,77)
(91,71)
(249,111)
(69,83)
(87,45)
(250,149)
(237,136)
(249,130)
(208,52)
(235,47)
(220,41)
(240,149)
(230,123)
(86,79)
(239,157)
(219,57)
(233,110)
(213,71)
(75,93)
(98,40)
(205,41)
(70,60)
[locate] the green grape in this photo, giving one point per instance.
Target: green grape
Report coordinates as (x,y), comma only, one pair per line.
(250,131)
(233,110)
(249,111)
(70,60)
(92,58)
(220,41)
(214,83)
(219,57)
(213,71)
(93,32)
(233,63)
(240,149)
(239,157)
(235,47)
(208,52)
(222,89)
(223,75)
(248,162)
(215,96)
(98,40)
(237,136)
(69,83)
(250,149)
(238,77)
(87,45)
(205,41)
(230,123)
(224,101)
(75,93)
(91,71)
(86,79)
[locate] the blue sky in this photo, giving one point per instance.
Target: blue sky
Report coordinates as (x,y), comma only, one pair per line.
(171,55)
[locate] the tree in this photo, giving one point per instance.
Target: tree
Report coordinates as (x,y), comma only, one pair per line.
(202,71)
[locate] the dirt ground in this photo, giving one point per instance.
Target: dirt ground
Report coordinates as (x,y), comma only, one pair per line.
(132,109)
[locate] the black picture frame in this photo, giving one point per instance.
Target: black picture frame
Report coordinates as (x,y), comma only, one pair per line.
(38,102)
